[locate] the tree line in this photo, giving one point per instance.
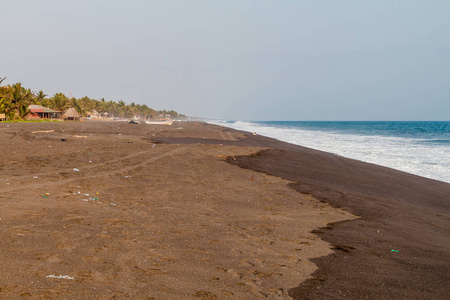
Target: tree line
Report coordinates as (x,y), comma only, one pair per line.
(15,100)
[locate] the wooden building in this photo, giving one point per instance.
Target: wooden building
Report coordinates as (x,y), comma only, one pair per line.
(41,112)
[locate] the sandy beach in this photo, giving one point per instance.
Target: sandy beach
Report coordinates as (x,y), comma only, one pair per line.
(110,210)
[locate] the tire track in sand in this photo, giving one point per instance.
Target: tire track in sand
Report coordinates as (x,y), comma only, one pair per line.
(227,136)
(101,174)
(86,167)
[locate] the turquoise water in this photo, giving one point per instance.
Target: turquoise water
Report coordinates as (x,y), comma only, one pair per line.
(421,148)
(434,132)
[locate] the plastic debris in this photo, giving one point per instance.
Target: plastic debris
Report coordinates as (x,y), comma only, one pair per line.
(60,277)
(76,170)
(392,250)
(63,140)
(35,177)
(111,204)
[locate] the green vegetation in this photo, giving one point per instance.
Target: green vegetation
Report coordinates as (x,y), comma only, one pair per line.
(15,100)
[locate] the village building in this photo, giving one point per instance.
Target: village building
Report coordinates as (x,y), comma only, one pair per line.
(71,115)
(41,112)
(94,114)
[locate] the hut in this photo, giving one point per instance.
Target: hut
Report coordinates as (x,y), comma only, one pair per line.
(41,112)
(71,115)
(94,114)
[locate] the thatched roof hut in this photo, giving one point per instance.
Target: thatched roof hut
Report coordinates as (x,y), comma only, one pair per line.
(94,114)
(71,115)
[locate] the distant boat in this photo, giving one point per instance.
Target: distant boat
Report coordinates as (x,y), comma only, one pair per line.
(162,122)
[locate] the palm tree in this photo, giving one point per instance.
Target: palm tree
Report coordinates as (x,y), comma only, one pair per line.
(4,104)
(40,96)
(77,104)
(59,102)
(17,99)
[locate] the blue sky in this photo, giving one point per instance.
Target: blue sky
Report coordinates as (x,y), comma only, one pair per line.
(238,60)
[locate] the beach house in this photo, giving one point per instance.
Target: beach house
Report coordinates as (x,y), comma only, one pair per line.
(41,112)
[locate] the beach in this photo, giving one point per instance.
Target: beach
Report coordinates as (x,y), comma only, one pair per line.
(110,210)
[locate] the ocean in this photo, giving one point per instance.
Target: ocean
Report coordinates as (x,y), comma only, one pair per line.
(420,148)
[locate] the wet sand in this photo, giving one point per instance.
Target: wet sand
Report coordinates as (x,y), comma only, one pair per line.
(109,210)
(399,247)
(195,211)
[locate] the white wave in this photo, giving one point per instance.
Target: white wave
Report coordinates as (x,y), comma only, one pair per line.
(405,154)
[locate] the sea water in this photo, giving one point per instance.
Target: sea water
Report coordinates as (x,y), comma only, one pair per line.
(420,148)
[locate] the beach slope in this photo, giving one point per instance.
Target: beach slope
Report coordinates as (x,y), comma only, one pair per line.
(109,210)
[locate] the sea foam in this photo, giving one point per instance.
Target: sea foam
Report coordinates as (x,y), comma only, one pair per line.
(409,152)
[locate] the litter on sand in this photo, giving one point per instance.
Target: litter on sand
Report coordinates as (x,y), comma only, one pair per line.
(60,277)
(392,250)
(76,170)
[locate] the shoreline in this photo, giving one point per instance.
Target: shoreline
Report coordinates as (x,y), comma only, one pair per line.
(175,217)
(380,149)
(398,211)
(104,210)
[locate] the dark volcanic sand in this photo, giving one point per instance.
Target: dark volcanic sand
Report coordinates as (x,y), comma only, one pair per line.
(176,221)
(144,219)
(398,211)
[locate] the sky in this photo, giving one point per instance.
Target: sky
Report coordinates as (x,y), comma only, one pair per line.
(238,59)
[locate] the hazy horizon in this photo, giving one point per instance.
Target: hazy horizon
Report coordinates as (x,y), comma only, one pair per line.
(238,60)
